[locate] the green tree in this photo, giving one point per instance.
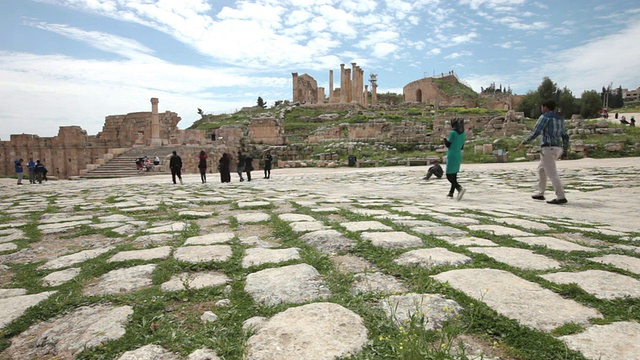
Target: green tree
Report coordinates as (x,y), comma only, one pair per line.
(261,103)
(567,104)
(547,89)
(530,105)
(590,104)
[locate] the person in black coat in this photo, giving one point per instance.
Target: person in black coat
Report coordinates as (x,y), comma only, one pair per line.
(223,167)
(175,164)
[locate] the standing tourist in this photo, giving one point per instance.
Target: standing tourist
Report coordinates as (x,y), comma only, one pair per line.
(554,144)
(19,170)
(248,166)
(240,165)
(31,165)
(454,144)
(267,164)
(202,166)
(224,168)
(40,171)
(175,164)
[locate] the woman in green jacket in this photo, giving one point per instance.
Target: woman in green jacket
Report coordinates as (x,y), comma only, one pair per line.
(454,144)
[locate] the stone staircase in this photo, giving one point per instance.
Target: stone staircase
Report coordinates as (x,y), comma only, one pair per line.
(122,163)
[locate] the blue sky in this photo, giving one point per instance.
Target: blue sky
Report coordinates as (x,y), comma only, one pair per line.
(73,62)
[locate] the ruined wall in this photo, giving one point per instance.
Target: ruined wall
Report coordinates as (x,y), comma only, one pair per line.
(135,129)
(380,130)
(512,123)
(305,89)
(63,155)
(266,129)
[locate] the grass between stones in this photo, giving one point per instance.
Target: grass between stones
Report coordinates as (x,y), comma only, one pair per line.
(172,319)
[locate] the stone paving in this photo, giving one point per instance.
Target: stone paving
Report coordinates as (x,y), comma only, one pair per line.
(119,239)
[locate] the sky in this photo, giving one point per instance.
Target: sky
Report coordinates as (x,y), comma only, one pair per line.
(74,62)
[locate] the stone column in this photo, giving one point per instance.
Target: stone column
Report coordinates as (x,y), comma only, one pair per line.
(354,83)
(366,96)
(330,85)
(295,86)
(155,123)
(343,84)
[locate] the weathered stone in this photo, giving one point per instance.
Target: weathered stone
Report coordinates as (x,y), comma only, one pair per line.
(295,217)
(315,331)
(69,334)
(208,239)
(528,303)
(430,309)
(13,307)
(629,263)
(203,253)
(615,341)
(429,258)
(306,226)
(288,284)
(328,241)
(195,281)
(553,243)
(72,259)
(145,254)
(520,258)
(467,241)
(601,284)
(60,277)
(150,351)
(252,218)
(376,282)
(122,280)
(259,256)
(365,225)
(393,239)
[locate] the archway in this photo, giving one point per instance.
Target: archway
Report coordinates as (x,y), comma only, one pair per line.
(419,95)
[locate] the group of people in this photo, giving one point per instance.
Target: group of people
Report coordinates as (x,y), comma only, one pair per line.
(145,164)
(244,165)
(554,144)
(36,169)
(631,122)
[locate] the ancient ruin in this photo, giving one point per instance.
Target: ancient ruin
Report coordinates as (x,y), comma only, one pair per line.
(351,90)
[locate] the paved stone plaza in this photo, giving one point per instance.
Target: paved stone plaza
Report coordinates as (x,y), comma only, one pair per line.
(133,228)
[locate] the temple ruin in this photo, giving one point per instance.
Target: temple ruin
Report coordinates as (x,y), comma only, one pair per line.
(352,88)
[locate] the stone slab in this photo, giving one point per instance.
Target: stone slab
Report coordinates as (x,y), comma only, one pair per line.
(431,257)
(210,239)
(13,307)
(121,281)
(520,258)
(319,331)
(289,284)
(527,302)
(601,284)
(259,256)
(629,263)
(195,281)
(615,341)
(162,252)
(553,243)
(393,239)
(365,225)
(203,253)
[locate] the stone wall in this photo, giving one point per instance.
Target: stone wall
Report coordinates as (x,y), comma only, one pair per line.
(378,129)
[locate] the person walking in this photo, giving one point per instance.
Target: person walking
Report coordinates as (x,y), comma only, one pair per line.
(248,166)
(31,166)
(455,144)
(202,166)
(240,165)
(267,164)
(175,164)
(19,170)
(224,168)
(554,145)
